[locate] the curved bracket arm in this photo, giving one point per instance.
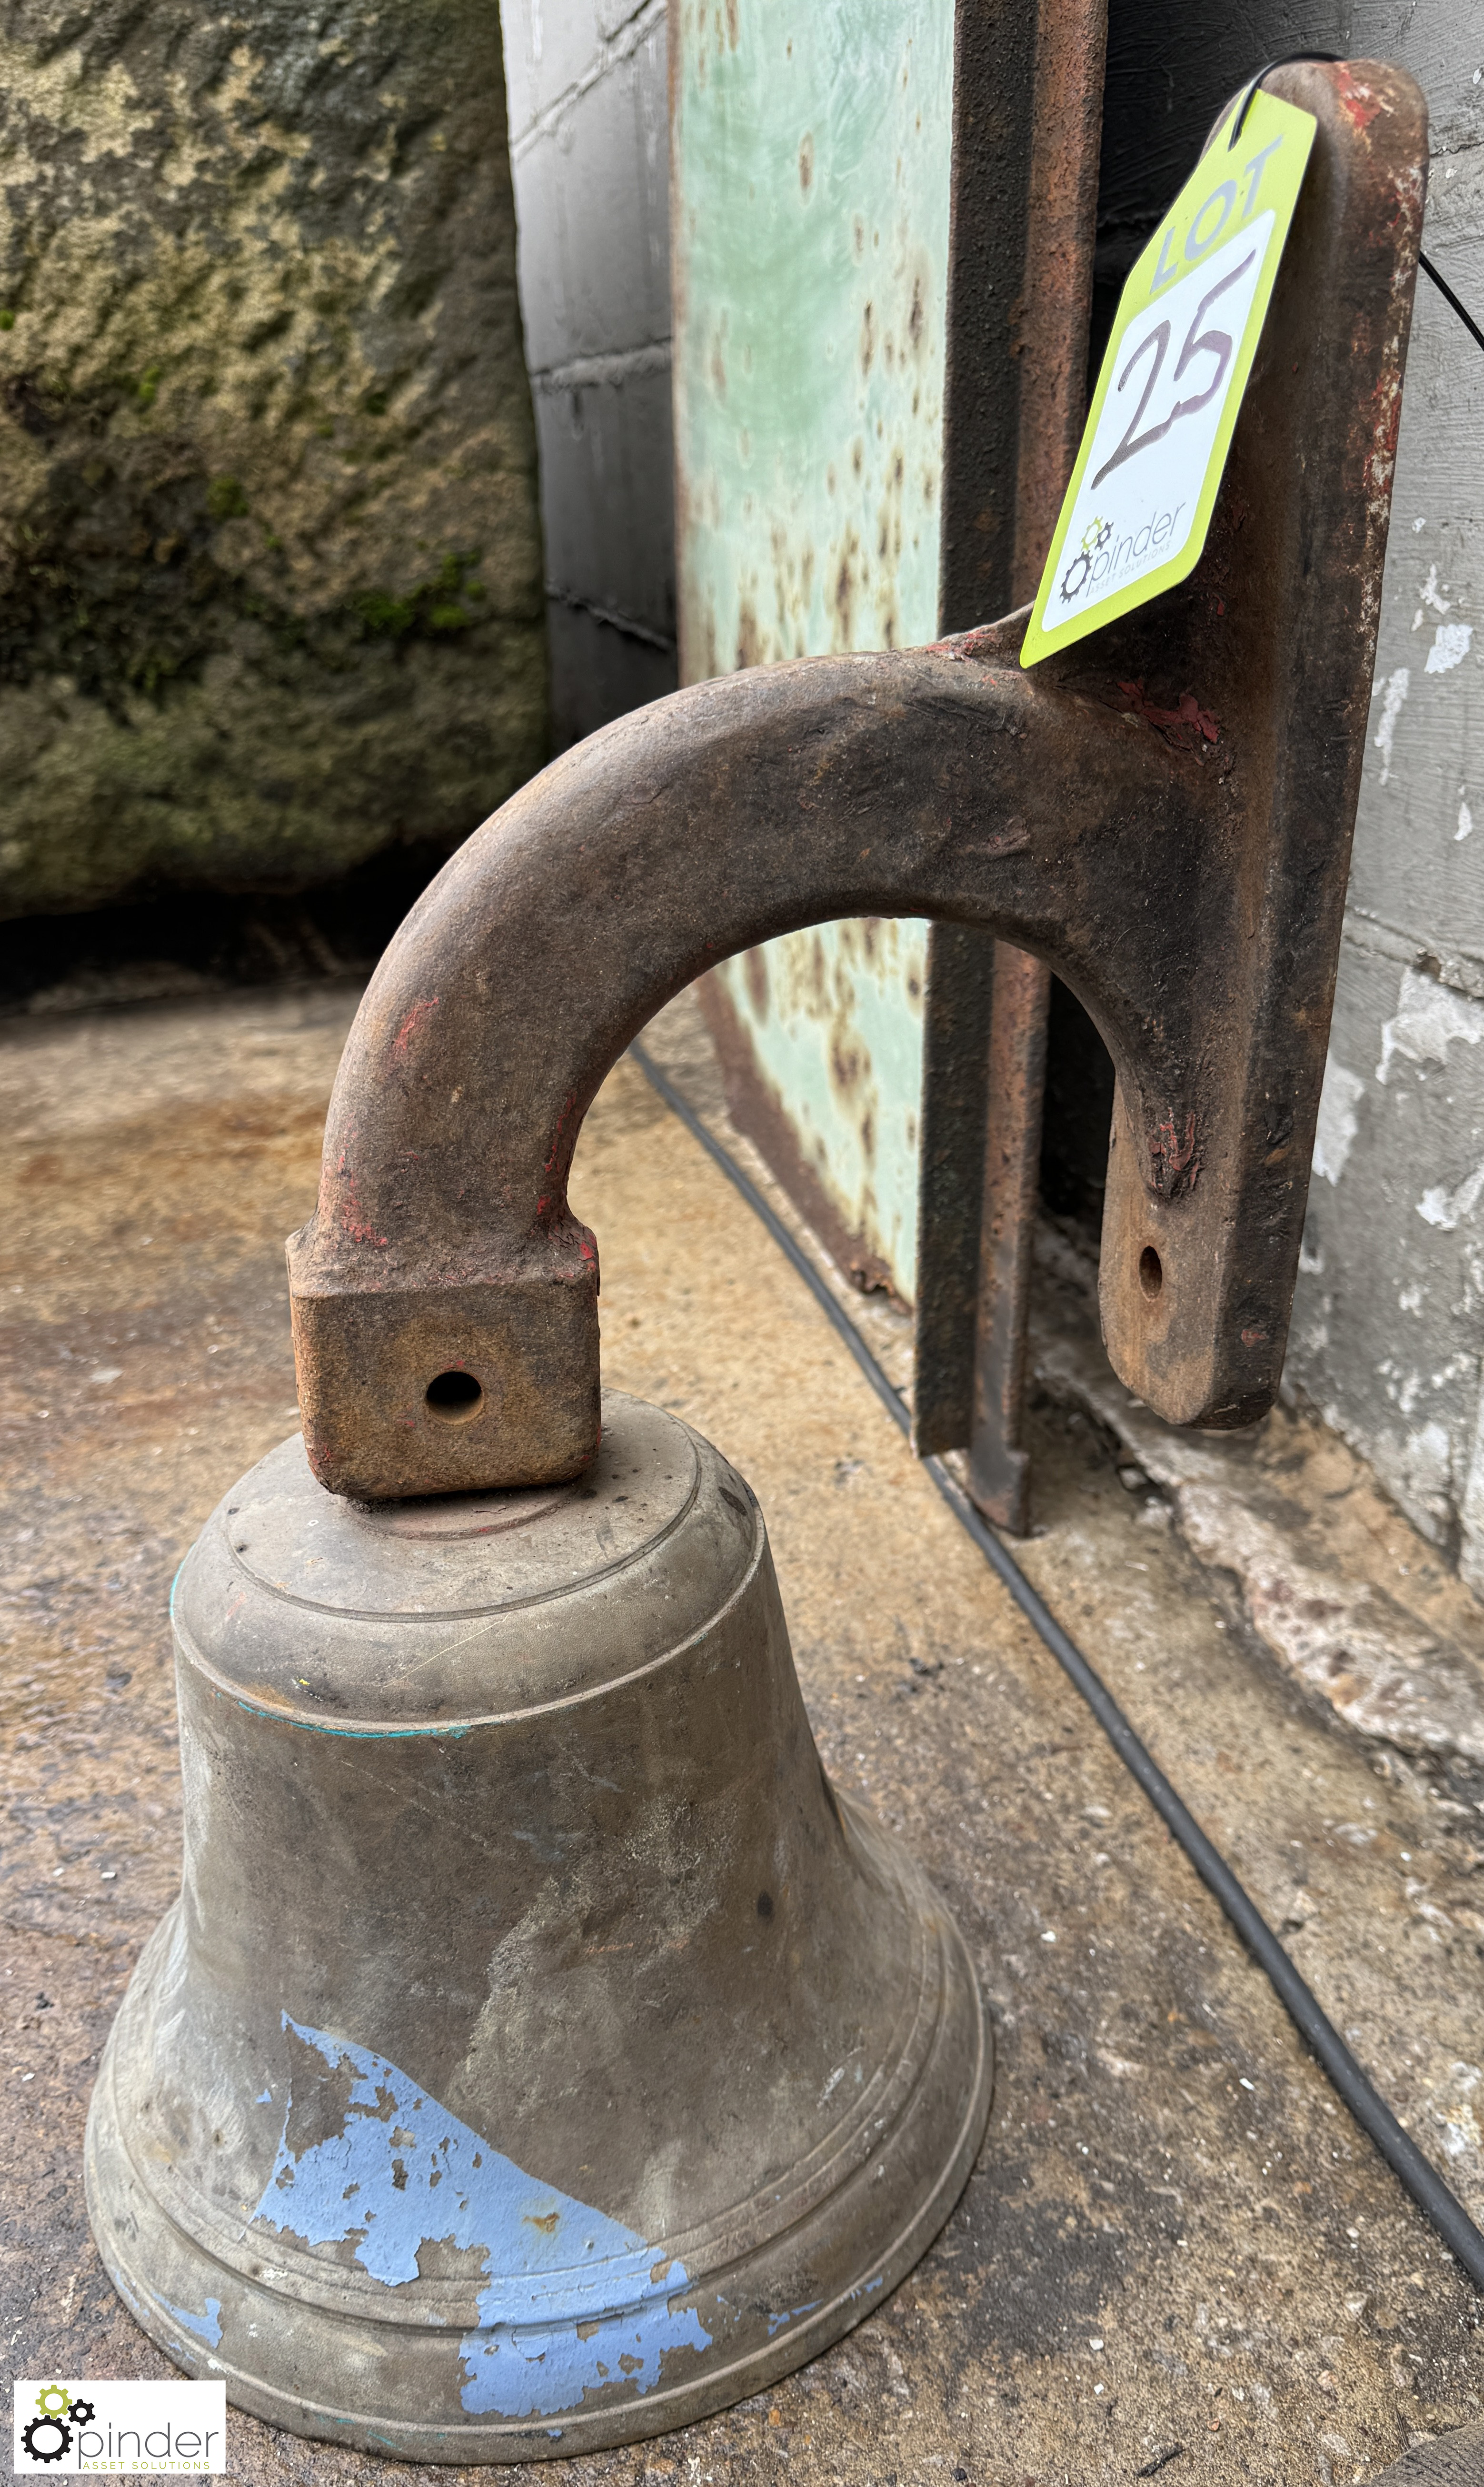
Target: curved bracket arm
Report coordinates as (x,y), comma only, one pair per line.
(1164,813)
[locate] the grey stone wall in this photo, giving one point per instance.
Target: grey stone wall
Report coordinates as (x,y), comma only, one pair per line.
(1389,1317)
(591,155)
(269,559)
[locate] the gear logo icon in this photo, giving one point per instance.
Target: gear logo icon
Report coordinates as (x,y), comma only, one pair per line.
(1078,574)
(46,2438)
(1095,535)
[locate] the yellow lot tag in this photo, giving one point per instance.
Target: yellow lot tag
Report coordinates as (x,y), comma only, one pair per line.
(1142,490)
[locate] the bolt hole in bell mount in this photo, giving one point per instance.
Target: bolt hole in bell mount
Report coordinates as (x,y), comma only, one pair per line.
(455,1397)
(1151,1273)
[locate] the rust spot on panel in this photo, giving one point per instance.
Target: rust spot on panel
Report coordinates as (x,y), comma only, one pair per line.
(806,163)
(845,1066)
(845,602)
(749,643)
(755,970)
(867,339)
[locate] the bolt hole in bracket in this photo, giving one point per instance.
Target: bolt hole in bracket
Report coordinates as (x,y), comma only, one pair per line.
(454,1397)
(1190,892)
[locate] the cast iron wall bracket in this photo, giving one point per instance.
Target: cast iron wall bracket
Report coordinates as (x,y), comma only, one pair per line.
(1163,814)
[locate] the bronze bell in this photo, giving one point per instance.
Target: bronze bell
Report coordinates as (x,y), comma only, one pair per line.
(541,2054)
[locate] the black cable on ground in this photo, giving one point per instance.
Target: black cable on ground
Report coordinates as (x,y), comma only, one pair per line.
(1421,2180)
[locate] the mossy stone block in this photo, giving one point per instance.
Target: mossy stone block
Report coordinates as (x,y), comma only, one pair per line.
(270,577)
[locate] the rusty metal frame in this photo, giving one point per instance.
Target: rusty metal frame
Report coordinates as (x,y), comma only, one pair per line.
(1028,102)
(1189,889)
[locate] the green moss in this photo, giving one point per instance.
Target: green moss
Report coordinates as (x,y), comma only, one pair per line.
(225,497)
(164,718)
(384,617)
(7,319)
(148,388)
(438,604)
(268,771)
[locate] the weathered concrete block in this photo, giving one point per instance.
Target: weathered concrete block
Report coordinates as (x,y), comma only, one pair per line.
(599,671)
(270,579)
(610,533)
(548,51)
(594,232)
(590,145)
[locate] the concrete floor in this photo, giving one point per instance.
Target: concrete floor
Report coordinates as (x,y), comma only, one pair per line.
(1174,2236)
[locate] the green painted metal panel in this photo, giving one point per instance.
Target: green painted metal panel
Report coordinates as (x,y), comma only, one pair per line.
(834,1017)
(811,145)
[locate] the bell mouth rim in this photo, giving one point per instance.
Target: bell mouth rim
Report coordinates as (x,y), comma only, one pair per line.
(661,2411)
(725,2239)
(768,2267)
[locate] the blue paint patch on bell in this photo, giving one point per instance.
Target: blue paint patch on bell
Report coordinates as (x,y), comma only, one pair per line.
(206,2326)
(402,2173)
(791,2314)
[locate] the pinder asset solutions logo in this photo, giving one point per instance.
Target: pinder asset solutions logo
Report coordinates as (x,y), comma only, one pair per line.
(133,2427)
(1078,571)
